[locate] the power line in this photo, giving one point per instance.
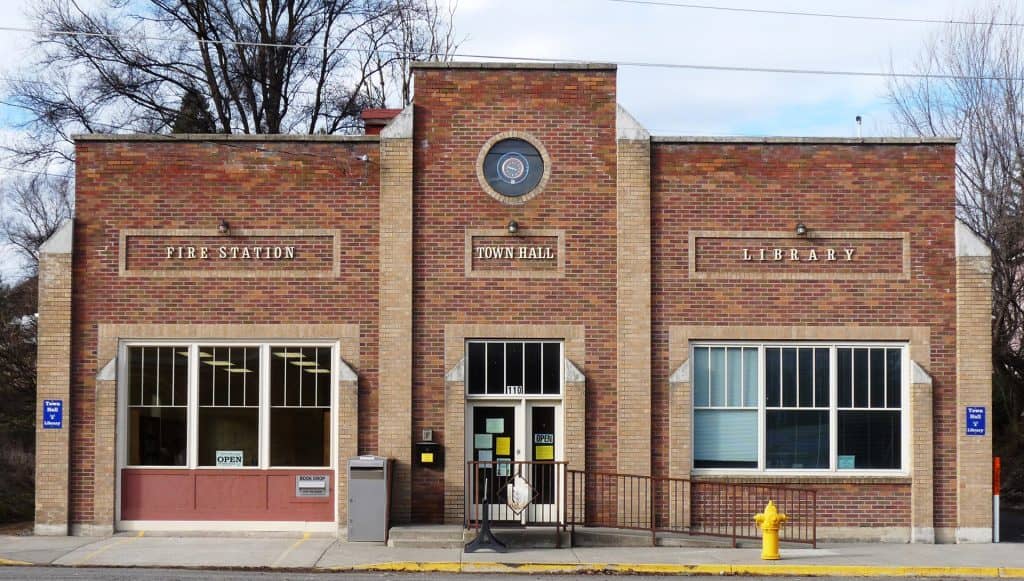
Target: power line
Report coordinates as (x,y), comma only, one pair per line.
(663,3)
(636,64)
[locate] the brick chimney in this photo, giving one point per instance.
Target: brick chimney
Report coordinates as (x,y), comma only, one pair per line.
(375,119)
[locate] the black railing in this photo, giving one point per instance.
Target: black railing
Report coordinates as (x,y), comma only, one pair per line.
(677,505)
(536,493)
(518,492)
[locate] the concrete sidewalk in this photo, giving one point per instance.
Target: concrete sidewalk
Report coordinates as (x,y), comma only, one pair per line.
(328,553)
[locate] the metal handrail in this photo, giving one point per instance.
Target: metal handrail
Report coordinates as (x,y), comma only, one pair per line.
(679,505)
(545,482)
(563,498)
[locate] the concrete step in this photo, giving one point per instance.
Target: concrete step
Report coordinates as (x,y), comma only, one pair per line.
(426,536)
(425,544)
(526,538)
(611,537)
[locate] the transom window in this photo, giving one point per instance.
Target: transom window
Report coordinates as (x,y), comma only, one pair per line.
(799,407)
(514,367)
(229,405)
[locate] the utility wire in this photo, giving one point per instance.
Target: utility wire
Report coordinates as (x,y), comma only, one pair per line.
(663,3)
(637,64)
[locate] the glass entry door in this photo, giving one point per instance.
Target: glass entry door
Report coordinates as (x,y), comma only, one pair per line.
(511,441)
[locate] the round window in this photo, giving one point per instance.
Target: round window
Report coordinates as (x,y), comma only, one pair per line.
(513,167)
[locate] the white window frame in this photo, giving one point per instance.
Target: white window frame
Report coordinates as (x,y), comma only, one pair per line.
(833,410)
(523,396)
(192,414)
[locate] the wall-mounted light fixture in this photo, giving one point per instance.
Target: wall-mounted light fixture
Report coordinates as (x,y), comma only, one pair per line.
(224,228)
(364,158)
(513,227)
(801,230)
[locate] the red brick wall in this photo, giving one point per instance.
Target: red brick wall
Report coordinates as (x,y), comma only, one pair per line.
(572,112)
(271,185)
(744,187)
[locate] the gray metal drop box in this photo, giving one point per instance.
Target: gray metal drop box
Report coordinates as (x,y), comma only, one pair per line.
(369,498)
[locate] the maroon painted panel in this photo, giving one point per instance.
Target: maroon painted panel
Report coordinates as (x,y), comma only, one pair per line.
(259,495)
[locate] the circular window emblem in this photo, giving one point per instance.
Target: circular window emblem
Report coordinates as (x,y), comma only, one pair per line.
(512,168)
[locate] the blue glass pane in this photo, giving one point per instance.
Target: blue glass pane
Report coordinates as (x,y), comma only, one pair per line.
(700,376)
(750,377)
(725,438)
(734,381)
(717,376)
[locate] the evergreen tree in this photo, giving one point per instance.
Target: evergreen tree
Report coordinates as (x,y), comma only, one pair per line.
(193,115)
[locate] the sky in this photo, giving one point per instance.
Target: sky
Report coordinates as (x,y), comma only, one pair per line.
(673,101)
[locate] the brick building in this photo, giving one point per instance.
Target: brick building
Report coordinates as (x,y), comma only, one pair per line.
(512,269)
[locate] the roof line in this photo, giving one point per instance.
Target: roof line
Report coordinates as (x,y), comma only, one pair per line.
(810,140)
(262,137)
(514,65)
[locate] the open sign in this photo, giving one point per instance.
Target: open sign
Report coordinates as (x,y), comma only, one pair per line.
(229,458)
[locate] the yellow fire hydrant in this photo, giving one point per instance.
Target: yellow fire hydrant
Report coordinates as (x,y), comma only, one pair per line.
(770,521)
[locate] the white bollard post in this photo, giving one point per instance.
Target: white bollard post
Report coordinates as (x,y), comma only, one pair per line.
(996,469)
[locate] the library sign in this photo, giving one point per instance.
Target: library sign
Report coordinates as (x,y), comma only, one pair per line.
(782,255)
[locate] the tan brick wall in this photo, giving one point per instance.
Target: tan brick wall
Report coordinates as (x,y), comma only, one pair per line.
(394,437)
(922,502)
(348,442)
(633,305)
(974,388)
(54,382)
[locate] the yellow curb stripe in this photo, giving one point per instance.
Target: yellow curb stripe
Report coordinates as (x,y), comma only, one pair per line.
(533,568)
(407,567)
(295,545)
(778,569)
(12,563)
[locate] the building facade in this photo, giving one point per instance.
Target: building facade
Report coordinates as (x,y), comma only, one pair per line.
(512,268)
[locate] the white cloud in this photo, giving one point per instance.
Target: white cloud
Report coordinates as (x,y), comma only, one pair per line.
(688,101)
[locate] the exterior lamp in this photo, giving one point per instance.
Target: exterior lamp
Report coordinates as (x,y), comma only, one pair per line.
(801,230)
(513,227)
(223,228)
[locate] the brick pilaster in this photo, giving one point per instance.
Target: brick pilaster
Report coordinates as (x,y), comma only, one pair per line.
(394,437)
(974,385)
(633,295)
(54,382)
(922,464)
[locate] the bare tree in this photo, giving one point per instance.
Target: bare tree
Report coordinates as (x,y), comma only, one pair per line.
(976,93)
(263,66)
(34,208)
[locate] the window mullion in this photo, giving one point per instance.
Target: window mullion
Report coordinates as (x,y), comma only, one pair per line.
(761,416)
(264,407)
(833,404)
(192,438)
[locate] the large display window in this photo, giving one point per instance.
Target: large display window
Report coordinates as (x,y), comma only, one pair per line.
(229,405)
(799,407)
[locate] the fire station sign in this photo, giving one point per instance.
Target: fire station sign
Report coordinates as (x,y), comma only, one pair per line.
(238,253)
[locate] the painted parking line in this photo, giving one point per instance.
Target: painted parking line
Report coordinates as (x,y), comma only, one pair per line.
(295,545)
(106,548)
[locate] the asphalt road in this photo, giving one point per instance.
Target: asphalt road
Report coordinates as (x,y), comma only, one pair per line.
(1011,526)
(77,574)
